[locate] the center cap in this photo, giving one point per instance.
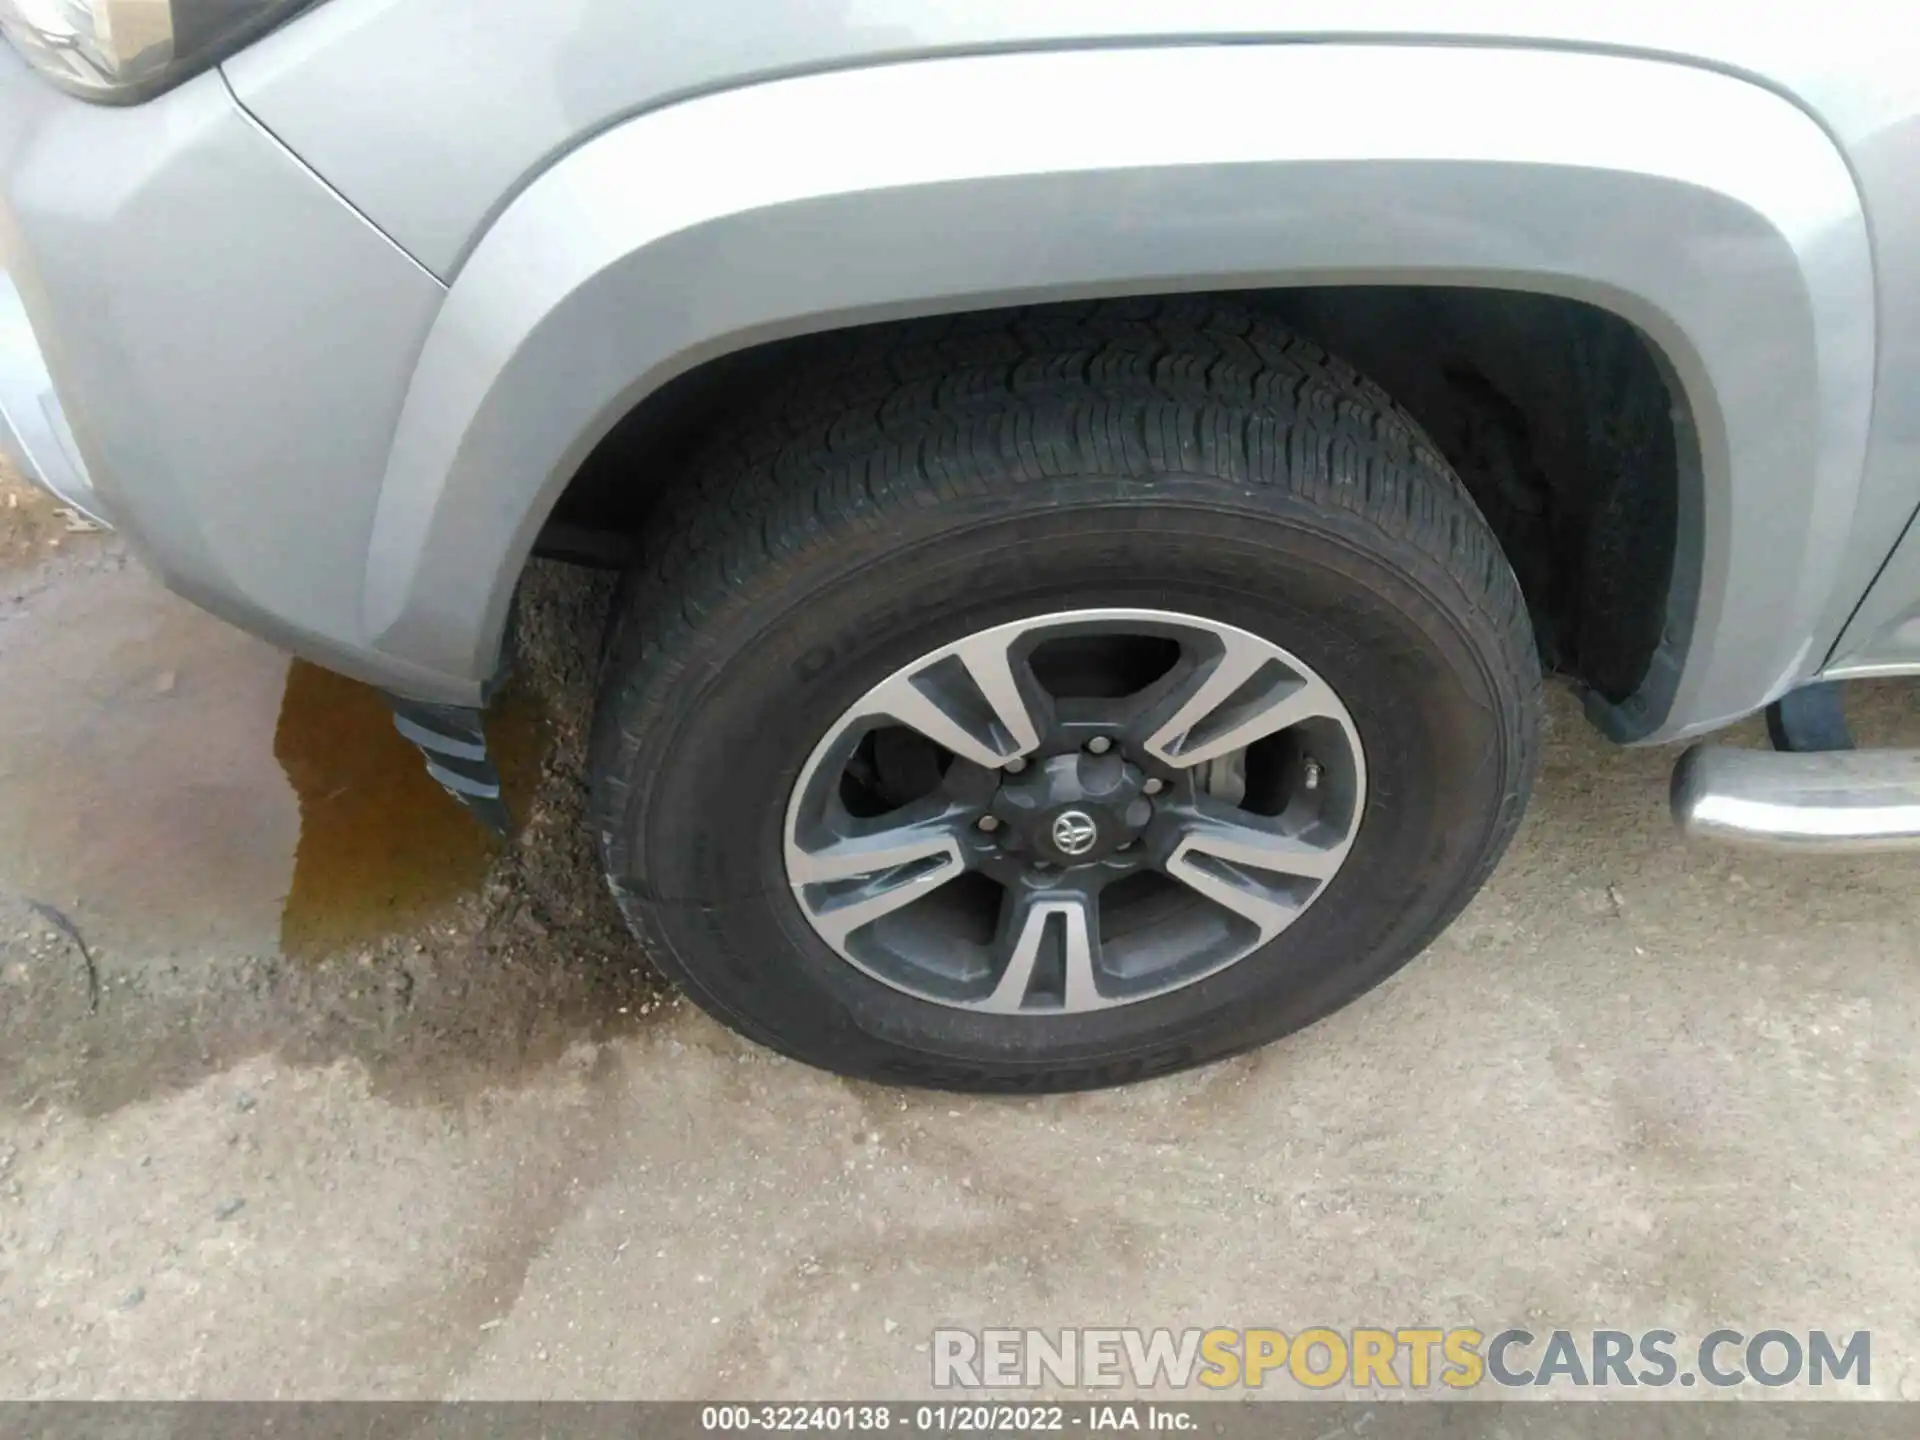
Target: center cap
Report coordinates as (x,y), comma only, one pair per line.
(1074,832)
(1073,809)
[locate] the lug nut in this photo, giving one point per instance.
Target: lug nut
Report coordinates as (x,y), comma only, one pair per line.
(1311,773)
(1099,745)
(1016,765)
(1154,787)
(989,823)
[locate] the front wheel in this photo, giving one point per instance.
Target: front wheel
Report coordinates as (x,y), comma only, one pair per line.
(1119,690)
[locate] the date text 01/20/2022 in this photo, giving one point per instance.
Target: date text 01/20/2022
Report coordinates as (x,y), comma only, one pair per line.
(947,1419)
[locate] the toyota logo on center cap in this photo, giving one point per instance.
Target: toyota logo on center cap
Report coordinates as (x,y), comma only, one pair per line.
(1074,832)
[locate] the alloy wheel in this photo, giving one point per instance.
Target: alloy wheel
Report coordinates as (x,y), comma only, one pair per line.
(1075,811)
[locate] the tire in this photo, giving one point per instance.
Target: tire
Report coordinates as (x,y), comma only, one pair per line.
(924,482)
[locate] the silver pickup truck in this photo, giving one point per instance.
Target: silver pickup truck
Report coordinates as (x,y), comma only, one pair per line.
(1097,485)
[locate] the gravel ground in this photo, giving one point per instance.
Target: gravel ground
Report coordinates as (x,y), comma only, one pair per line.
(303,1094)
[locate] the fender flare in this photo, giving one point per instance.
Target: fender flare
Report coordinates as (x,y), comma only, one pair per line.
(1709,212)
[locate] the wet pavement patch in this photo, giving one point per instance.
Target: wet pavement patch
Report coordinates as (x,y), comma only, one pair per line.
(381,845)
(168,781)
(208,851)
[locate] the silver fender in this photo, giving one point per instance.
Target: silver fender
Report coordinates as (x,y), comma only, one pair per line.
(1709,212)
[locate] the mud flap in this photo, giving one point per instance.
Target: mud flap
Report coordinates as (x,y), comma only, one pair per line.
(453,739)
(1809,719)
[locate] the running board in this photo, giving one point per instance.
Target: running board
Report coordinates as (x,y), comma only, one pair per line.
(1838,800)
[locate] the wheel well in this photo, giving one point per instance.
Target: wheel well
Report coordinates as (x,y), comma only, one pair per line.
(1555,413)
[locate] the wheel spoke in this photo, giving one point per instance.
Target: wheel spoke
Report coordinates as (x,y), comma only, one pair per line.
(1083,941)
(1239,697)
(1069,919)
(968,700)
(990,664)
(1239,843)
(855,879)
(1245,869)
(865,852)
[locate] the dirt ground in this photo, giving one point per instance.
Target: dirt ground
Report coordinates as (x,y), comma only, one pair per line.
(307,1090)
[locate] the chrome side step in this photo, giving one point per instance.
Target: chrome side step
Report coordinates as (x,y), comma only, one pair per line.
(1839,800)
